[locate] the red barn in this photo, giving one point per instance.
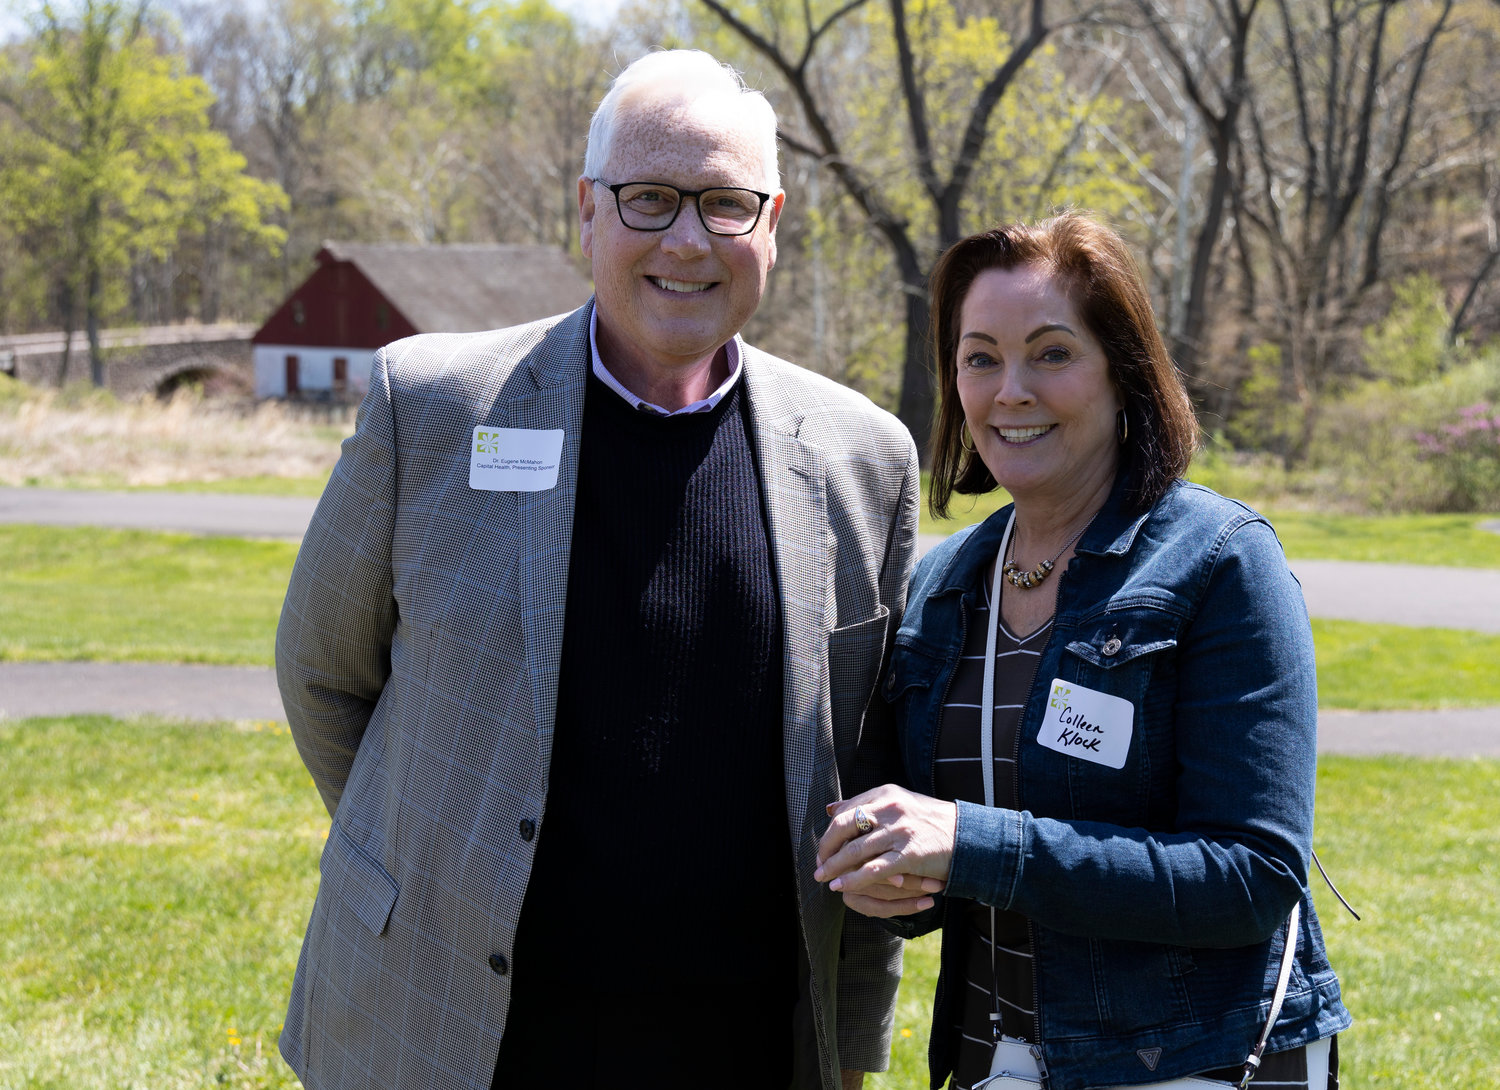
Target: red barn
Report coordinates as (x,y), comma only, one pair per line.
(318,344)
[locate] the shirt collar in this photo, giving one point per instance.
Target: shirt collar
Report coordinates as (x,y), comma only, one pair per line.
(731,354)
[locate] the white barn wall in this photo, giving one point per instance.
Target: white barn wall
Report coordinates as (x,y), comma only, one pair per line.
(314,368)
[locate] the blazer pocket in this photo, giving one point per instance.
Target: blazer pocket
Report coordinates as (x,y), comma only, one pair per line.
(358,880)
(855,653)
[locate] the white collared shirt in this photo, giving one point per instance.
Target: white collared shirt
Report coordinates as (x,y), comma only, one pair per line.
(731,355)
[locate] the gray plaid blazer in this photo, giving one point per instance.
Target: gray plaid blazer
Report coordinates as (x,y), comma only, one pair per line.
(418,659)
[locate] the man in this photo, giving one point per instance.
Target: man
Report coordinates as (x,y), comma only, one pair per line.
(582,640)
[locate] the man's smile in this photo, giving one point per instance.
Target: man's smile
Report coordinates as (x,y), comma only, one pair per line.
(686,286)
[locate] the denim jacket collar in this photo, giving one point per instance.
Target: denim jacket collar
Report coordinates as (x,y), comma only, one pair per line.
(1112,533)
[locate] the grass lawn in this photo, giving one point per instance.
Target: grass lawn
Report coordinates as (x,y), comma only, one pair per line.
(1410,843)
(1370,667)
(1454,541)
(129,595)
(1445,540)
(159,876)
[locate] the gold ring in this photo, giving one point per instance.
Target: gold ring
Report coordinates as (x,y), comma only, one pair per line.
(863,821)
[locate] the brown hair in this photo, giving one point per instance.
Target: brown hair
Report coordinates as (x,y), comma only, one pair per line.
(1105,286)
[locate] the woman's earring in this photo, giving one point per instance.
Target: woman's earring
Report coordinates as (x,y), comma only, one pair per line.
(966,440)
(1122,426)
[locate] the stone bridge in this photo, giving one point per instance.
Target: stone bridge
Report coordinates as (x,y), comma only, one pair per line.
(143,360)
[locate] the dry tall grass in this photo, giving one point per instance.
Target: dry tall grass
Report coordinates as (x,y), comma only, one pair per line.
(83,438)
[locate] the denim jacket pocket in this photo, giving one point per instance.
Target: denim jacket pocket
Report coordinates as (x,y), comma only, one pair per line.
(1115,652)
(907,687)
(1129,654)
(908,669)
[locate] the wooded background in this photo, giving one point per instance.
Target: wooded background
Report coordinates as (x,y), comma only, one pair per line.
(1313,186)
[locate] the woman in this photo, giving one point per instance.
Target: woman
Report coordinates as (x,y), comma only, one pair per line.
(1143,835)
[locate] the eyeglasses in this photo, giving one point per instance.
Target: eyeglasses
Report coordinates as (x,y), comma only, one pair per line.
(653,206)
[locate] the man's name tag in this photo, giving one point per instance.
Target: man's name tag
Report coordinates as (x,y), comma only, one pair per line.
(1088,724)
(514,459)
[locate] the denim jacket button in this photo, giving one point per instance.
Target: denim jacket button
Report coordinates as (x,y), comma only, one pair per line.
(1112,645)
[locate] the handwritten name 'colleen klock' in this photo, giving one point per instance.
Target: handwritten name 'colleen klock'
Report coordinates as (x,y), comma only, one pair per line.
(1075,729)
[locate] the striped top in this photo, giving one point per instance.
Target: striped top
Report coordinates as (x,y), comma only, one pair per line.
(1007,987)
(1001,981)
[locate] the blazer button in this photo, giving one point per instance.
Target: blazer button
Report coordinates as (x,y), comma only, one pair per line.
(1112,646)
(528,829)
(499,964)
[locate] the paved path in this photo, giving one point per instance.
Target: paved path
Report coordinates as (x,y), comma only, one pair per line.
(1392,593)
(190,512)
(1401,594)
(238,692)
(138,688)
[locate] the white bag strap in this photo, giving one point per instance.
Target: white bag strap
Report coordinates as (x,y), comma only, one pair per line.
(1288,955)
(987,733)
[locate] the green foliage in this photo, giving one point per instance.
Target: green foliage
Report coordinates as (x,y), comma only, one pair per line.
(1465,450)
(1420,434)
(1410,345)
(132,596)
(1045,146)
(109,155)
(13,393)
(1419,447)
(1269,415)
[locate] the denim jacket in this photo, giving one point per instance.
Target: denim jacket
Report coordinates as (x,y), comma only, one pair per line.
(1157,892)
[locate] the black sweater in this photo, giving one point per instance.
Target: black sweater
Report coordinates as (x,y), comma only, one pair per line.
(662,899)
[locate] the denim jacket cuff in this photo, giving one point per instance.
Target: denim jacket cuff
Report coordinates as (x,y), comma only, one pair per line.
(986,854)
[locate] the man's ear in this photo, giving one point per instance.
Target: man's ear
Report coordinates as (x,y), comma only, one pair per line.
(775,217)
(776,202)
(586,209)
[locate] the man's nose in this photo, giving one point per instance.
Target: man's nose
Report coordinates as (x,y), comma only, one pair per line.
(687,235)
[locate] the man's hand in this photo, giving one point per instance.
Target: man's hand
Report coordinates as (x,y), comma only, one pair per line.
(892,868)
(851,1080)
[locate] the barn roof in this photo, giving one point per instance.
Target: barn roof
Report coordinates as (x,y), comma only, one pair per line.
(465,287)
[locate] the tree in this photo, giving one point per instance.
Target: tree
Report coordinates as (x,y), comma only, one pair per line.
(948,116)
(1205,49)
(1329,152)
(109,146)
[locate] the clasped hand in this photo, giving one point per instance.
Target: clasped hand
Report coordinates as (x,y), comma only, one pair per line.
(893,869)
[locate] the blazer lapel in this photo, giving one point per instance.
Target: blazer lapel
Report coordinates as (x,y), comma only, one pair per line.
(793,479)
(549,386)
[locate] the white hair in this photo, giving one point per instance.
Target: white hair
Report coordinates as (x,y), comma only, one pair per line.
(688,74)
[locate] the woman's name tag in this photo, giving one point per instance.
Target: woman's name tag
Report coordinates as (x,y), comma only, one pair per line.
(1087,724)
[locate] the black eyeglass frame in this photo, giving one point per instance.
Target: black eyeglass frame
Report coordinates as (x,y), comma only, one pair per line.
(682,194)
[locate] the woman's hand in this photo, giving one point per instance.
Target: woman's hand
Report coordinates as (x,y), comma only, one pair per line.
(895,867)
